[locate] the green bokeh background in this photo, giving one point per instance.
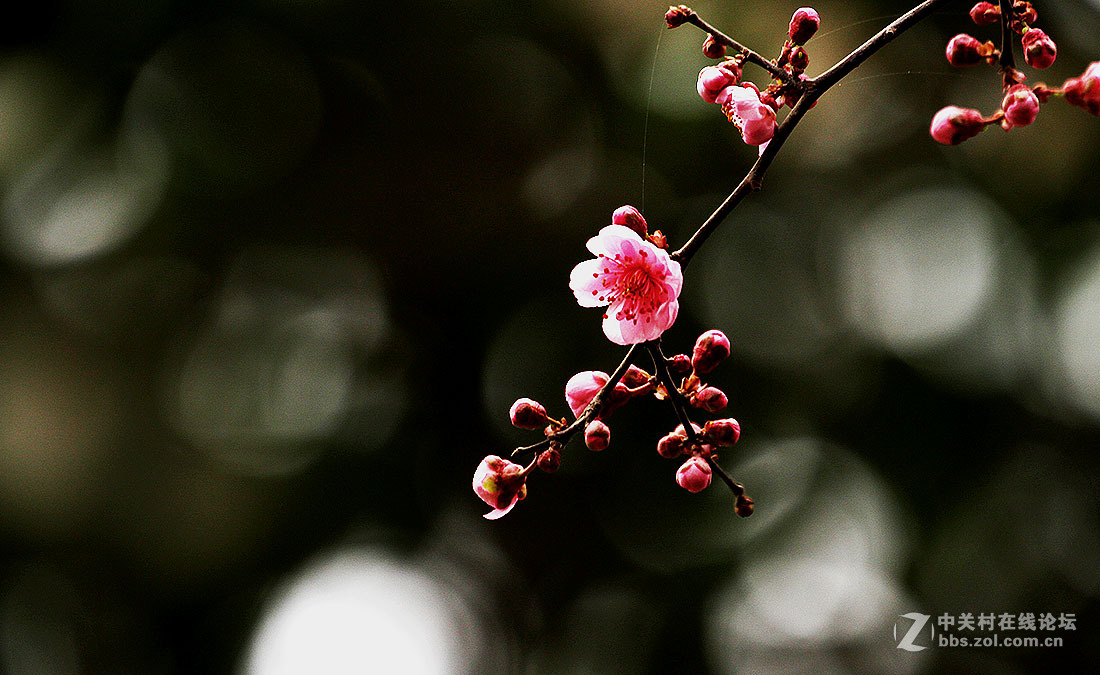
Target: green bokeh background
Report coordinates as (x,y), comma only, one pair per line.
(272,272)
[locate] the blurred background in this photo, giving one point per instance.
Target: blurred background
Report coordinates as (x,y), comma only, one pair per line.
(272,272)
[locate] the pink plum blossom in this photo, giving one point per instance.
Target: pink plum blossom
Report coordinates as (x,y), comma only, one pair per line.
(638,281)
(582,388)
(694,474)
(1020,105)
(804,23)
(713,79)
(500,484)
(1084,91)
(953,125)
(752,117)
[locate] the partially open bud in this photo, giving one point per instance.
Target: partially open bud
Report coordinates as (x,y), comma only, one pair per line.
(722,432)
(671,446)
(711,348)
(1020,105)
(694,474)
(712,49)
(711,399)
(632,218)
(744,506)
(985,13)
(582,388)
(1025,12)
(635,377)
(528,414)
(714,79)
(799,59)
(1039,50)
(597,436)
(804,24)
(964,50)
(549,459)
(953,125)
(500,484)
(677,15)
(1084,91)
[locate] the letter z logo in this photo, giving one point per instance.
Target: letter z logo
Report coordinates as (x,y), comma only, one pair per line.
(908,641)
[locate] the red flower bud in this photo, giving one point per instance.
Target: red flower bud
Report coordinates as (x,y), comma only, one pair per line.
(799,59)
(712,49)
(1039,50)
(671,446)
(635,377)
(953,125)
(1020,106)
(677,15)
(630,217)
(694,474)
(680,365)
(985,13)
(549,459)
(711,399)
(1025,12)
(597,436)
(1084,91)
(711,348)
(744,506)
(804,24)
(528,414)
(722,432)
(964,50)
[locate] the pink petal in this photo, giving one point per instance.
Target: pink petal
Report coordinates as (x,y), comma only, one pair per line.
(498,513)
(585,278)
(610,238)
(612,328)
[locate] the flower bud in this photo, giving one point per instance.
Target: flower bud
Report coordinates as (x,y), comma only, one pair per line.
(694,474)
(1020,105)
(744,506)
(1084,91)
(722,432)
(680,365)
(677,15)
(582,388)
(500,484)
(953,125)
(964,50)
(549,459)
(597,436)
(804,24)
(1025,12)
(630,217)
(799,59)
(711,348)
(671,446)
(985,13)
(528,414)
(714,79)
(711,399)
(1039,50)
(635,377)
(712,49)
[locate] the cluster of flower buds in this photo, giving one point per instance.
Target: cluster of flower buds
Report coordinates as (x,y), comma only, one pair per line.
(751,110)
(501,483)
(1020,105)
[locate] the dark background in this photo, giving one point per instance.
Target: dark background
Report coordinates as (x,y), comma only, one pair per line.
(273,271)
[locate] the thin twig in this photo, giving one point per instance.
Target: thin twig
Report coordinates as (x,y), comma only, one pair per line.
(750,55)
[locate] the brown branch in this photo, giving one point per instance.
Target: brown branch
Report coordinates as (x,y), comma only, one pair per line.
(750,55)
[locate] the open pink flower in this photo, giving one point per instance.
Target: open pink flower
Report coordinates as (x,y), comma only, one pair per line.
(752,117)
(638,281)
(500,484)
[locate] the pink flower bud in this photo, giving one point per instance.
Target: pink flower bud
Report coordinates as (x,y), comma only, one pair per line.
(1084,91)
(713,79)
(635,377)
(712,49)
(630,217)
(711,399)
(711,348)
(500,484)
(1039,50)
(694,474)
(597,436)
(528,414)
(722,432)
(582,388)
(804,24)
(677,15)
(799,59)
(953,125)
(671,446)
(1020,105)
(549,459)
(985,13)
(680,365)
(964,50)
